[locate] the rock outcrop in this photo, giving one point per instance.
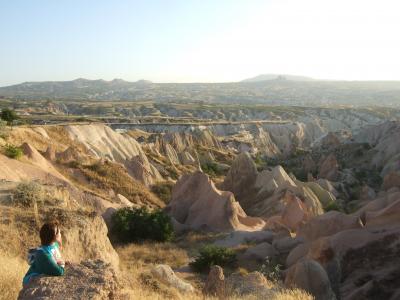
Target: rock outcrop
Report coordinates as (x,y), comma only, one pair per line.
(215,284)
(103,142)
(243,237)
(329,168)
(269,192)
(88,280)
(165,274)
(310,276)
(241,178)
(328,224)
(260,252)
(254,284)
(196,202)
(85,237)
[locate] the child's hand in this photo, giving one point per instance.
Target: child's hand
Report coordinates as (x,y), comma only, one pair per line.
(59,238)
(61,263)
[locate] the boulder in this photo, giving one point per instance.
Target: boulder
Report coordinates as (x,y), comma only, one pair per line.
(297,253)
(310,276)
(260,252)
(166,275)
(85,237)
(254,284)
(196,202)
(237,238)
(328,224)
(215,284)
(88,280)
(286,244)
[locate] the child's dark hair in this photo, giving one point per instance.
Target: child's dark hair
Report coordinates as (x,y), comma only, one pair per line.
(48,233)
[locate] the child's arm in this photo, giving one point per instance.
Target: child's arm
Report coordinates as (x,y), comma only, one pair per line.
(47,264)
(59,239)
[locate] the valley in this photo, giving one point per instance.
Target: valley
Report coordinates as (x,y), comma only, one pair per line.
(278,186)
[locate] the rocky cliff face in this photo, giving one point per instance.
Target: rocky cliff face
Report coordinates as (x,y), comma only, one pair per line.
(197,203)
(88,280)
(103,142)
(268,193)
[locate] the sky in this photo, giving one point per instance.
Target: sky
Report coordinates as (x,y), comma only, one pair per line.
(198,40)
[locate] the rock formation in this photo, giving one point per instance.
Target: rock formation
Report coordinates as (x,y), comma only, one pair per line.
(329,168)
(88,280)
(241,178)
(103,142)
(215,284)
(165,274)
(328,224)
(310,276)
(196,202)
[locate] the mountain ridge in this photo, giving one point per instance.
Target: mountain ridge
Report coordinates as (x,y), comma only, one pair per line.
(266,77)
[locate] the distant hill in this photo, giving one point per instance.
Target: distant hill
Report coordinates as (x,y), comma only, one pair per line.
(265,77)
(278,90)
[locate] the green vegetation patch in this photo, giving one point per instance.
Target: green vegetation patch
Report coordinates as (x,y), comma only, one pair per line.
(138,224)
(27,194)
(211,255)
(163,190)
(12,151)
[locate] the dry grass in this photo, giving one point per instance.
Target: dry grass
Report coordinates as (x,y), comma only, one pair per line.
(152,253)
(12,270)
(136,261)
(106,176)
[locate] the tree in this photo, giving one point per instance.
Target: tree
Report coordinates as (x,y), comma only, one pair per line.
(9,116)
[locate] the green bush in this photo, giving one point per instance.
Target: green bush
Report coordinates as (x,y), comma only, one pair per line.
(28,193)
(333,205)
(212,169)
(8,115)
(211,255)
(3,129)
(163,190)
(13,151)
(138,224)
(271,269)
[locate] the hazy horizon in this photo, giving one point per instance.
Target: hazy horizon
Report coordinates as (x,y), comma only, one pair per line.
(188,41)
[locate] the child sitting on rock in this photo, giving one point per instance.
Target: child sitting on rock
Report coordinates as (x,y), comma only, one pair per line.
(47,259)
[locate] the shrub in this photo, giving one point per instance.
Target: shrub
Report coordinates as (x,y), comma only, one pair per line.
(163,190)
(333,205)
(138,224)
(9,116)
(3,129)
(28,193)
(13,151)
(212,169)
(211,255)
(271,269)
